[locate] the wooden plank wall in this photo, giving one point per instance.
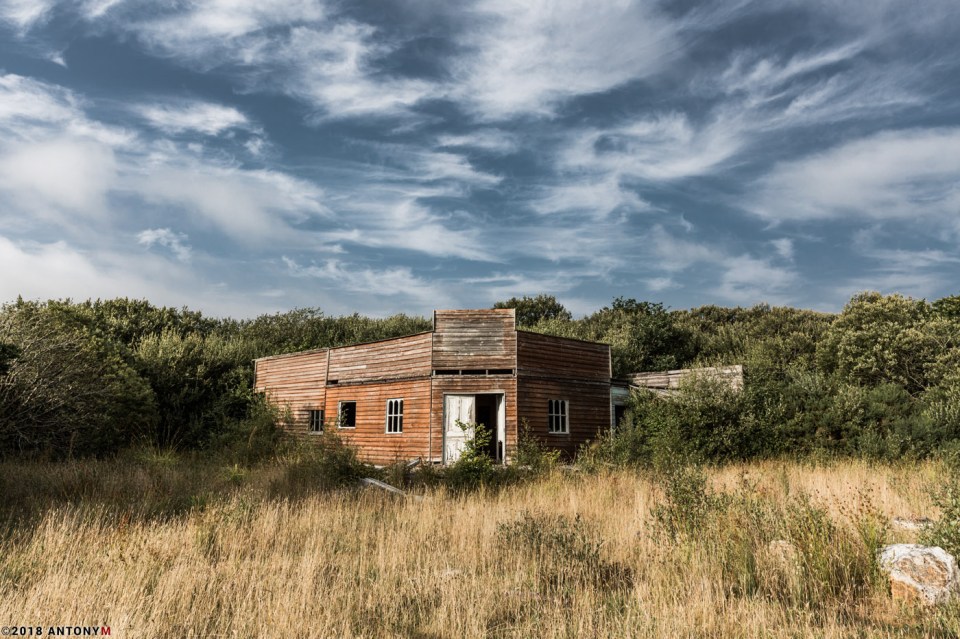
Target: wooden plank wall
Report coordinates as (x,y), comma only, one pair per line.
(669,381)
(399,358)
(294,381)
(588,406)
(557,357)
(374,443)
(470,385)
(475,340)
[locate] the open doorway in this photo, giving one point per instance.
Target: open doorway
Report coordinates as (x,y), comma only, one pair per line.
(488,414)
(482,408)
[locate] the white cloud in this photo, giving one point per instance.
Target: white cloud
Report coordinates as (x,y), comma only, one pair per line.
(526,56)
(383,218)
(597,198)
(204,117)
(491,140)
(24,101)
(251,206)
(748,280)
(740,278)
(910,174)
(175,242)
(784,247)
(25,13)
(390,282)
(663,147)
(59,174)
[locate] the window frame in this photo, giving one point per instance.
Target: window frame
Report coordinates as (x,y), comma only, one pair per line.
(558,411)
(340,404)
(396,416)
(314,426)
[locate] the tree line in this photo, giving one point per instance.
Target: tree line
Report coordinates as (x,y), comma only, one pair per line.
(879,379)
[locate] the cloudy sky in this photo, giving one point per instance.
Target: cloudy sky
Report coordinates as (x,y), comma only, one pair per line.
(248,156)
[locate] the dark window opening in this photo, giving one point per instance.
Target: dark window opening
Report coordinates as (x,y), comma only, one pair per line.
(316,421)
(348,415)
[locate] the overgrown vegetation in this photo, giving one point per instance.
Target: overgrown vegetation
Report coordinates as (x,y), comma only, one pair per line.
(756,550)
(880,380)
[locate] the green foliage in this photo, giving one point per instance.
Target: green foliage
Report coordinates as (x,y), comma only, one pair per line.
(643,336)
(880,339)
(704,420)
(475,467)
(945,531)
(70,390)
(532,310)
(200,382)
(532,454)
(687,504)
(308,328)
(322,463)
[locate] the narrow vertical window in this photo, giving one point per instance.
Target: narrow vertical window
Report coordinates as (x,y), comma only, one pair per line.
(347,417)
(557,417)
(394,415)
(316,421)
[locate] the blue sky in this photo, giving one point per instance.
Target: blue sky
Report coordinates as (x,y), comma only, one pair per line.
(243,157)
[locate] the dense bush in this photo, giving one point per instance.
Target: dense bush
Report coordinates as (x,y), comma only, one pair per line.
(881,379)
(69,390)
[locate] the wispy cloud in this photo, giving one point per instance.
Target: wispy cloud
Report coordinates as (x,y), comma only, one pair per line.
(181,116)
(891,175)
(527,56)
(175,242)
(390,282)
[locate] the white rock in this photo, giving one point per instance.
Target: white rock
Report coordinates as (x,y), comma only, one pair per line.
(927,574)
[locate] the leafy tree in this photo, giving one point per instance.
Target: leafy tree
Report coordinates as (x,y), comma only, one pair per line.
(948,307)
(69,390)
(200,384)
(532,310)
(881,339)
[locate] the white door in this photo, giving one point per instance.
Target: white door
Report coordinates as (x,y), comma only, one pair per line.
(456,408)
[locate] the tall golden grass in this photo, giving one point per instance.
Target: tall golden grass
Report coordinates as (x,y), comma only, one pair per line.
(565,555)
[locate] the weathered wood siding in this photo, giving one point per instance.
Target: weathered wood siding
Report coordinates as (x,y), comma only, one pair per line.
(475,340)
(667,382)
(557,357)
(474,385)
(588,409)
(374,443)
(399,358)
(295,382)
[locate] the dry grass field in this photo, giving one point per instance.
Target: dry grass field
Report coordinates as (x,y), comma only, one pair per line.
(615,554)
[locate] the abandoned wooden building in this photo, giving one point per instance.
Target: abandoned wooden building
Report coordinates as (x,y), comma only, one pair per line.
(402,398)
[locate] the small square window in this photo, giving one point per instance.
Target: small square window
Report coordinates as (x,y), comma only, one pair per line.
(394,415)
(558,417)
(316,421)
(347,417)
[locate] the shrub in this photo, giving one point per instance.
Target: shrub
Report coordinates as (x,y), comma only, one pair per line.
(945,532)
(474,467)
(323,463)
(532,454)
(566,553)
(687,505)
(705,420)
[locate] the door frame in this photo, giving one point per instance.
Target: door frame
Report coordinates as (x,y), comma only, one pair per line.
(501,433)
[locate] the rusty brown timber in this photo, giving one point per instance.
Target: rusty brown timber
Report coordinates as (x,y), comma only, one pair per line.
(469,352)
